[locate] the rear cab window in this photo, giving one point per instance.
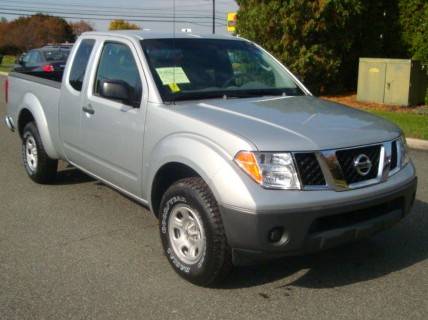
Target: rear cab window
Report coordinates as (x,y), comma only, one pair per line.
(80,63)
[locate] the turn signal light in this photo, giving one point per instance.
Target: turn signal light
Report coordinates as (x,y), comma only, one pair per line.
(247,161)
(272,170)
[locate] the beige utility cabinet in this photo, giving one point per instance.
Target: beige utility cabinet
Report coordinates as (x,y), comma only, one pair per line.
(392,81)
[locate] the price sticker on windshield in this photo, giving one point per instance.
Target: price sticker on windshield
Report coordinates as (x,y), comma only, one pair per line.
(174,87)
(172,75)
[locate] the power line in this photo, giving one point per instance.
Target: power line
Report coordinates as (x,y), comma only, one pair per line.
(23,7)
(109,14)
(161,9)
(109,19)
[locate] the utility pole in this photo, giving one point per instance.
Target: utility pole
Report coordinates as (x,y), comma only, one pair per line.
(213,16)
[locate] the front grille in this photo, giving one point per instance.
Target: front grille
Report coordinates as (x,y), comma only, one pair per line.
(346,160)
(394,156)
(309,169)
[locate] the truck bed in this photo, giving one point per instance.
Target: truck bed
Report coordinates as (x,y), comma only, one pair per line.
(53,76)
(33,77)
(42,95)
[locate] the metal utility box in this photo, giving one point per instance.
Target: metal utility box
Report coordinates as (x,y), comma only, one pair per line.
(392,81)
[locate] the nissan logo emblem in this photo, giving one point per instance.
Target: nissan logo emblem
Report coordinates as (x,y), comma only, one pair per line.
(362,164)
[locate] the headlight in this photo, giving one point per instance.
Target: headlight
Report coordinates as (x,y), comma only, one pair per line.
(270,170)
(403,151)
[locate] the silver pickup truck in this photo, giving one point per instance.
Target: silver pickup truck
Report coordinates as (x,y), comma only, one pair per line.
(230,151)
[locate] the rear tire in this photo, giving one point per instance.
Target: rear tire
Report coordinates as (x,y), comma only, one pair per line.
(192,233)
(40,168)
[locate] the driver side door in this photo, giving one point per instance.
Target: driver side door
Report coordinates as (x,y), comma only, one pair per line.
(113,130)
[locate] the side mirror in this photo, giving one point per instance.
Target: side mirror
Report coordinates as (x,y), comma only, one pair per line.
(115,90)
(20,60)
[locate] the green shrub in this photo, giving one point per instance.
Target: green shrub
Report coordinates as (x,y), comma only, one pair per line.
(308,36)
(414,24)
(322,40)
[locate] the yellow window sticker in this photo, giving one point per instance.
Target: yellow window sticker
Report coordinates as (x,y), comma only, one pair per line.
(174,87)
(172,75)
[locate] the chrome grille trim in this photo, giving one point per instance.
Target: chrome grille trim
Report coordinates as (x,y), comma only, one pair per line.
(334,176)
(398,148)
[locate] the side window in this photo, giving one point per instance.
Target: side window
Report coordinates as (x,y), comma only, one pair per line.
(31,58)
(117,64)
(38,57)
(80,62)
(26,57)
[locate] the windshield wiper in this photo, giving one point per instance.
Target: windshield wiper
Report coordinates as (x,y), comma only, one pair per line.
(253,93)
(228,94)
(194,96)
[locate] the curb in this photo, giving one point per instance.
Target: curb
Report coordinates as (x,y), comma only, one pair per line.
(417,144)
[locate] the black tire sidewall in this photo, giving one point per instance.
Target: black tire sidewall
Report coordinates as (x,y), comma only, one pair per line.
(46,169)
(182,194)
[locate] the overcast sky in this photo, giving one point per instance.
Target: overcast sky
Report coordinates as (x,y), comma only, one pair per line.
(195,14)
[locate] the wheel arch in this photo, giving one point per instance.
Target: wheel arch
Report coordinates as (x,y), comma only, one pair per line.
(166,176)
(32,110)
(187,155)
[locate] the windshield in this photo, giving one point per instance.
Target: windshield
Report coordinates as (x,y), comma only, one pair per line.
(187,69)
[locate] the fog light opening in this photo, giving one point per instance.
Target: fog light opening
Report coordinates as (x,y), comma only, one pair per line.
(278,236)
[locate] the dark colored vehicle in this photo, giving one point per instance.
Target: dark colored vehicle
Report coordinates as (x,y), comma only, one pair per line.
(47,62)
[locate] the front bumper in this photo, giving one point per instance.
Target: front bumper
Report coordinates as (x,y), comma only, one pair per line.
(311,229)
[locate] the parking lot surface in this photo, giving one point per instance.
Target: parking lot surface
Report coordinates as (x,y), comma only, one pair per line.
(80,250)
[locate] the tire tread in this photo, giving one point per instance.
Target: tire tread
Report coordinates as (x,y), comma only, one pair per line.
(46,167)
(221,254)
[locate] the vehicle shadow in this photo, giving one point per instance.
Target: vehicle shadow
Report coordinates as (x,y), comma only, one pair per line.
(398,248)
(70,175)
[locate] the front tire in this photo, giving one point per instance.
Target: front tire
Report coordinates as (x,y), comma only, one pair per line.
(192,233)
(40,168)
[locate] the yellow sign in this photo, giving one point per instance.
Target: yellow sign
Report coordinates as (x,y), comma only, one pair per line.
(172,75)
(231,21)
(174,87)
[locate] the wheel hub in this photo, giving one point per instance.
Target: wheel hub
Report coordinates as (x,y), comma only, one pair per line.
(186,234)
(31,152)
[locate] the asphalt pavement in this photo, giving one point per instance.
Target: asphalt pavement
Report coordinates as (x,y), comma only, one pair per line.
(80,250)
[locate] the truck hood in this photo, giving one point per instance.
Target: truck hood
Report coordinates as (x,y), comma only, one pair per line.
(300,123)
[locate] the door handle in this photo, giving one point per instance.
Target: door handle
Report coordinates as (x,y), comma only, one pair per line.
(88,109)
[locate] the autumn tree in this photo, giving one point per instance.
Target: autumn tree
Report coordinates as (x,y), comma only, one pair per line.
(3,30)
(120,24)
(35,31)
(80,27)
